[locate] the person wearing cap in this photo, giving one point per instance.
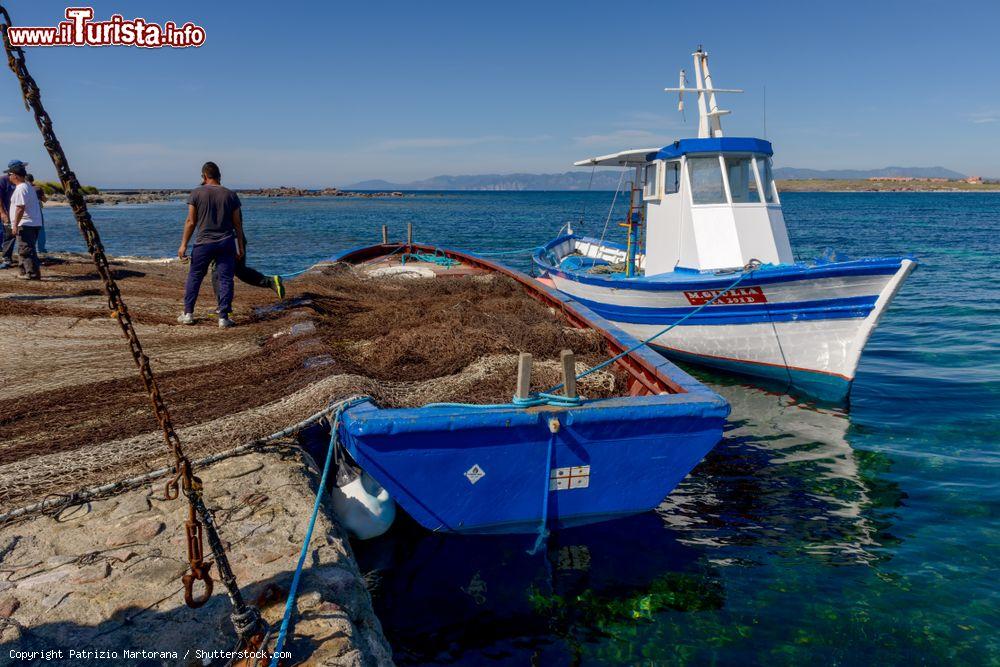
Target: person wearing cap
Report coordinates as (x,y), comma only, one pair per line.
(7,237)
(216,222)
(25,216)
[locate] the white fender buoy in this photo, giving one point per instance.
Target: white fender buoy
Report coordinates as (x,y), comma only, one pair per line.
(362,506)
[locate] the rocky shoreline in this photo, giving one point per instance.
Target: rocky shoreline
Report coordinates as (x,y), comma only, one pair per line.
(115,197)
(285,191)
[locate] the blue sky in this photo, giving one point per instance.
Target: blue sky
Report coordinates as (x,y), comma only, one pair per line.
(328,93)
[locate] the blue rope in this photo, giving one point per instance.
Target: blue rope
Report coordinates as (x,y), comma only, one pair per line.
(440,260)
(499,253)
(558,400)
(605,364)
(541,398)
(290,602)
(543,527)
(285,276)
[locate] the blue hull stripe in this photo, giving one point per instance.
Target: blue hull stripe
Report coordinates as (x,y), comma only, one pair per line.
(768,275)
(827,309)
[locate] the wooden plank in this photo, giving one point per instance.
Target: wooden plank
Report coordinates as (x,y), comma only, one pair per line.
(568,360)
(523,375)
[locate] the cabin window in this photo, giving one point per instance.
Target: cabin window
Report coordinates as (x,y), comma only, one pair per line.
(672,179)
(766,180)
(740,175)
(652,188)
(754,190)
(706,180)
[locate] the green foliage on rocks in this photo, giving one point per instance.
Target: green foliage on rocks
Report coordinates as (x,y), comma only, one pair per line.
(56,188)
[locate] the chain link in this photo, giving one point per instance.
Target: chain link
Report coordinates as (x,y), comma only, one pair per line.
(184,480)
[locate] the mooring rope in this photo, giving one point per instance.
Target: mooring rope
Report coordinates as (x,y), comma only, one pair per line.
(550,397)
(501,253)
(751,266)
(286,276)
(320,491)
(543,526)
(539,398)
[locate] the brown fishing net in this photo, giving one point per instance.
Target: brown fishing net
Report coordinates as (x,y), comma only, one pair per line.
(73,413)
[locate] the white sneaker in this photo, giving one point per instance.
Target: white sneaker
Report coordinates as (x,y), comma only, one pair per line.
(225,323)
(186,318)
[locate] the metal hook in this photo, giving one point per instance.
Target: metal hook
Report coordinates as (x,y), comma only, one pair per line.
(172,490)
(199,574)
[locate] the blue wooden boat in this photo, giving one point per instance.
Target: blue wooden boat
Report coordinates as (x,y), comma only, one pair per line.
(508,469)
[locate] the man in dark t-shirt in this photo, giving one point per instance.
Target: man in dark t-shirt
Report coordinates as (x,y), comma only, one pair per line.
(216,222)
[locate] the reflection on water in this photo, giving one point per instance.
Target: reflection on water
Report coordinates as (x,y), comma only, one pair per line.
(784,481)
(786,469)
(443,598)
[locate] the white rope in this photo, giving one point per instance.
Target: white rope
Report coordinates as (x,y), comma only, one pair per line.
(590,185)
(604,232)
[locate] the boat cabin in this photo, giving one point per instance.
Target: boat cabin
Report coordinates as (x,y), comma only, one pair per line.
(708,203)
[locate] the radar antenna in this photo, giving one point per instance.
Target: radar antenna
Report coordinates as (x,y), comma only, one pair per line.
(709,113)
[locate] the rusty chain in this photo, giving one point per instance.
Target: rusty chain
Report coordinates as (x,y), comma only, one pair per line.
(245,618)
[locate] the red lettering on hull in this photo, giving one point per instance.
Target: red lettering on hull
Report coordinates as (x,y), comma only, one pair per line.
(733,297)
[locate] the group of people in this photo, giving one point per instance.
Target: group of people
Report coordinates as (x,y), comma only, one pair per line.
(215,222)
(23,221)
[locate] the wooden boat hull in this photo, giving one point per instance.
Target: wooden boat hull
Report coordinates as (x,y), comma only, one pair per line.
(510,470)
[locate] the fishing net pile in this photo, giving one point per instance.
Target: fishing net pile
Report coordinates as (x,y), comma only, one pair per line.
(74,414)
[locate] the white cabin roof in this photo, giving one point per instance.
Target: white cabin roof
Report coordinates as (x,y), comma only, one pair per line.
(629,158)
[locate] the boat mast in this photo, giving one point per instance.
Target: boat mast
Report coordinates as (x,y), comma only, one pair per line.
(709,113)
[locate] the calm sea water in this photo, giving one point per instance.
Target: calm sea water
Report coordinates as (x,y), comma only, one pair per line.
(866,535)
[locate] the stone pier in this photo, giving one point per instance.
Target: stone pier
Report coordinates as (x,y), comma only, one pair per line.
(106,575)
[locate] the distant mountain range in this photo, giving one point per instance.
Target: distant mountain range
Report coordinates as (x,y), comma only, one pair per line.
(793,173)
(607,179)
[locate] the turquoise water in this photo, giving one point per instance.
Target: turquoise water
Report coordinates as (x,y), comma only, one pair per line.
(865,535)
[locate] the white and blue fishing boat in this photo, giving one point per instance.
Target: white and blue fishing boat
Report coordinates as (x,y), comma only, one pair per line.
(707,251)
(516,468)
